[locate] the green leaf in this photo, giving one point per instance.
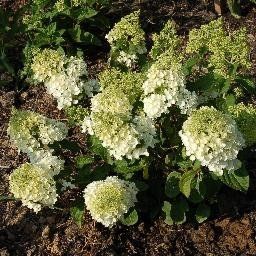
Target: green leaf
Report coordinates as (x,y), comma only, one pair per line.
(230,100)
(185,182)
(167,213)
(69,145)
(198,189)
(76,33)
(89,38)
(209,83)
(96,147)
(84,175)
(226,87)
(77,214)
(190,63)
(196,165)
(247,83)
(141,185)
(100,172)
(127,167)
(172,184)
(81,161)
(202,213)
(238,179)
(130,218)
(212,185)
(178,210)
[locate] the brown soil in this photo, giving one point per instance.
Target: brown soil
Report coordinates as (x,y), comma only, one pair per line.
(52,232)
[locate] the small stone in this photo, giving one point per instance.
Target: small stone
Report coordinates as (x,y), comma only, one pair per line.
(46,232)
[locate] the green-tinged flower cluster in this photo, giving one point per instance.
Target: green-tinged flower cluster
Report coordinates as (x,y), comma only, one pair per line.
(66,78)
(130,83)
(108,200)
(114,118)
(47,63)
(245,117)
(226,50)
(76,115)
(33,186)
(166,41)
(127,40)
(166,86)
(30,131)
(212,138)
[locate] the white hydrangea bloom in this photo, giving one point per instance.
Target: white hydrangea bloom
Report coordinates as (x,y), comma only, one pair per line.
(108,200)
(212,138)
(33,186)
(47,162)
(29,131)
(155,105)
(129,139)
(65,78)
(127,40)
(164,88)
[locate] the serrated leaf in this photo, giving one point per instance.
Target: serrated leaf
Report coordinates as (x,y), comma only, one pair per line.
(238,179)
(130,218)
(167,212)
(185,182)
(172,184)
(202,213)
(81,161)
(77,214)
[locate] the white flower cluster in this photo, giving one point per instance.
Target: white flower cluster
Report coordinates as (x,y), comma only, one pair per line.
(164,88)
(127,40)
(212,138)
(112,122)
(30,131)
(65,78)
(108,200)
(130,138)
(47,161)
(123,131)
(33,186)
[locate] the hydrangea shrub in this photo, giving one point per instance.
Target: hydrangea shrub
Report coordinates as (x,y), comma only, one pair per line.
(165,127)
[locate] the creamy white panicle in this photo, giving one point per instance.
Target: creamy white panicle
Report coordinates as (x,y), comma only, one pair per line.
(108,200)
(34,186)
(164,88)
(30,131)
(212,138)
(127,40)
(124,132)
(65,78)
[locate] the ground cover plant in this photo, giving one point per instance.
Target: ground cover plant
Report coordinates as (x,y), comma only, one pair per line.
(167,125)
